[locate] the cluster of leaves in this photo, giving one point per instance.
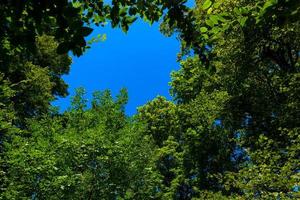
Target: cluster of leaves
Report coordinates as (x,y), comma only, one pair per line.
(232,131)
(70,21)
(35,76)
(36,35)
(238,105)
(84,153)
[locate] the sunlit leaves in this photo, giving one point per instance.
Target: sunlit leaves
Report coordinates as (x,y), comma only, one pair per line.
(87,157)
(206,4)
(203,29)
(96,39)
(232,131)
(160,118)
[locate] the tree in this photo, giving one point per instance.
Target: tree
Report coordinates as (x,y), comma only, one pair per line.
(68,21)
(36,78)
(231,133)
(36,35)
(160,118)
(252,49)
(236,102)
(82,154)
(7,129)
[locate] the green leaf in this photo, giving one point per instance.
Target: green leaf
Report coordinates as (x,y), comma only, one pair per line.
(203,29)
(243,20)
(221,18)
(77,4)
(217,4)
(236,11)
(205,36)
(206,4)
(269,4)
(209,11)
(215,30)
(210,23)
(214,19)
(97,19)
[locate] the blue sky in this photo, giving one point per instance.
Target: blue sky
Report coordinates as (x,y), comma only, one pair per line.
(140,61)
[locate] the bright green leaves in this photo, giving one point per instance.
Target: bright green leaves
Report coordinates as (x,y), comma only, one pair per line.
(170,165)
(203,29)
(38,80)
(242,14)
(249,144)
(214,20)
(81,153)
(188,81)
(160,118)
(210,23)
(7,114)
(206,4)
(98,38)
(268,4)
(242,21)
(269,168)
(32,75)
(77,4)
(232,132)
(79,103)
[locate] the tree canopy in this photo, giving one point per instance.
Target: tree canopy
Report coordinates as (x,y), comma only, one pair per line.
(230,132)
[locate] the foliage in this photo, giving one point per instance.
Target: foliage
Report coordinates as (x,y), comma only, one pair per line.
(232,131)
(253,59)
(161,119)
(79,154)
(7,129)
(69,21)
(36,77)
(236,102)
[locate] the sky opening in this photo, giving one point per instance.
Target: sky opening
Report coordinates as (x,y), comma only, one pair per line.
(140,61)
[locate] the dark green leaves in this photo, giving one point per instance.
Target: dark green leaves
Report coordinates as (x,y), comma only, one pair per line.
(232,131)
(86,31)
(63,48)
